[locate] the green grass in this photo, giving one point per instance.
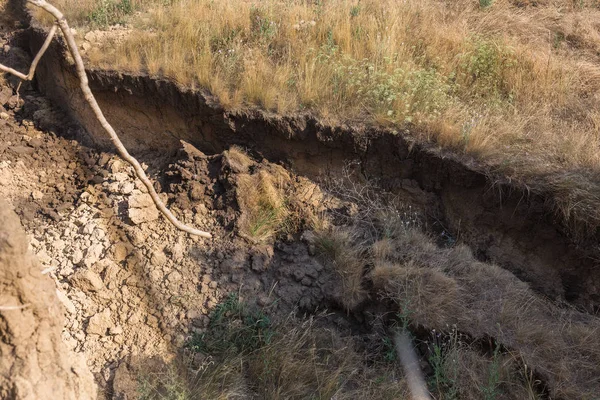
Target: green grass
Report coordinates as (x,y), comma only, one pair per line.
(110,12)
(485,3)
(443,361)
(233,329)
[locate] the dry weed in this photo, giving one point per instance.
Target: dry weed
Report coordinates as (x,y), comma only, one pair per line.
(263,207)
(442,287)
(339,249)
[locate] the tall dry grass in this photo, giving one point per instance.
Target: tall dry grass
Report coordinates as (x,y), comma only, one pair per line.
(514,83)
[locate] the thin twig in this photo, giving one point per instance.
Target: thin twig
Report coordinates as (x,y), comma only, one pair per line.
(36,60)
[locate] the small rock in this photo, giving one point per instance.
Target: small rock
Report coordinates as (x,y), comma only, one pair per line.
(59,245)
(122,177)
(99,323)
(121,251)
(298,275)
(175,277)
(140,215)
(86,46)
(90,36)
(196,191)
(4,115)
(5,95)
(261,257)
(177,252)
(140,200)
(115,330)
(87,281)
(37,195)
(237,261)
(114,187)
(20,149)
(98,234)
(92,255)
(104,159)
(77,256)
(158,259)
(35,143)
(152,321)
(179,340)
(263,300)
(89,228)
(15,101)
(127,187)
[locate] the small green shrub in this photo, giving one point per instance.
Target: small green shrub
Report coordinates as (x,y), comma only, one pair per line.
(491,391)
(400,92)
(262,26)
(110,12)
(233,329)
(485,3)
(444,362)
(485,69)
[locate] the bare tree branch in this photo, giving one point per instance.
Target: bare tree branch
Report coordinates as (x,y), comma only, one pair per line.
(410,365)
(72,45)
(36,60)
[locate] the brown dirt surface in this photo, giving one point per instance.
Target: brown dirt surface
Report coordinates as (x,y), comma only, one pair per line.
(130,283)
(34,360)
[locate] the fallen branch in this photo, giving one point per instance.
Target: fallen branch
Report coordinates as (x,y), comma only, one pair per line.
(72,46)
(410,365)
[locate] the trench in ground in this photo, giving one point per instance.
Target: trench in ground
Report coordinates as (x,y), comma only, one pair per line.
(502,223)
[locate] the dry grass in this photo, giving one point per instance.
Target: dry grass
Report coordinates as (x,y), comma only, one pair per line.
(339,249)
(271,201)
(507,82)
(448,290)
(446,287)
(260,197)
(293,359)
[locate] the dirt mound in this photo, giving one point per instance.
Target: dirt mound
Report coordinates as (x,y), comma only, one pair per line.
(34,361)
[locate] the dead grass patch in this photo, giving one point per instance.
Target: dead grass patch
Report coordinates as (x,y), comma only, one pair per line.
(262,203)
(448,287)
(338,248)
(298,360)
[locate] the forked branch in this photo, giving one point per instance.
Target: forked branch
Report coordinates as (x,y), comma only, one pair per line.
(89,97)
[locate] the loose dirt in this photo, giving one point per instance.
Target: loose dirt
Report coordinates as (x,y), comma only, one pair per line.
(130,283)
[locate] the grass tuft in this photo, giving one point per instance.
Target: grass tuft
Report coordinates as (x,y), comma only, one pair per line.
(262,203)
(339,249)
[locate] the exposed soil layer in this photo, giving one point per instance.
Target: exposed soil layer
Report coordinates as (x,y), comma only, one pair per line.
(503,223)
(34,361)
